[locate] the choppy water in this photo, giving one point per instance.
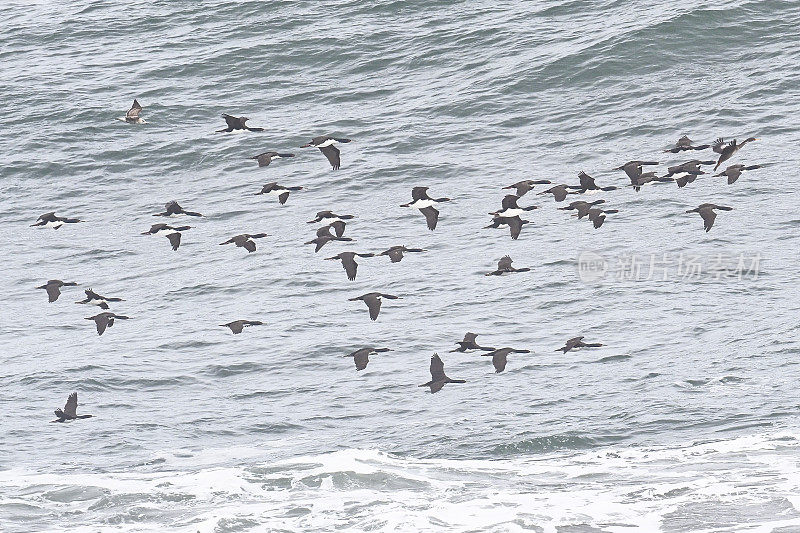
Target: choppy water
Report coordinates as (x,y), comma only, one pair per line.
(685,421)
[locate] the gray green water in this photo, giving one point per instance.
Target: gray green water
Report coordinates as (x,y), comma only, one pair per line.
(685,421)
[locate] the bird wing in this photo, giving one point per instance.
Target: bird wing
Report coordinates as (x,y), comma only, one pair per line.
(236,326)
(499,360)
(174,240)
(708,217)
(282,197)
(431,216)
(587,182)
(332,153)
(470,337)
(437,369)
(395,254)
(504,263)
(134,111)
(515,223)
(338,226)
(53,292)
(509,202)
(101,321)
(233,122)
(249,245)
(374,305)
(324,231)
(361,359)
(264,159)
(718,145)
(71,406)
(419,193)
(350,266)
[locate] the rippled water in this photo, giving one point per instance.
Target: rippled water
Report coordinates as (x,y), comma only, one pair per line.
(685,421)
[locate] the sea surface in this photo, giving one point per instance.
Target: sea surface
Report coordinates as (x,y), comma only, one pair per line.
(685,421)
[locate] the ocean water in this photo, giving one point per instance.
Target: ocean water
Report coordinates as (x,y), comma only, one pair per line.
(685,421)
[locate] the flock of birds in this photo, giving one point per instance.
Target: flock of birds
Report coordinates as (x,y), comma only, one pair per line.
(333,228)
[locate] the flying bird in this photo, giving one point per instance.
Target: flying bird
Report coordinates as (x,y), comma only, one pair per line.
(581,207)
(560,192)
(648,177)
(337,222)
(95,299)
(734,171)
(598,216)
(324,236)
(689,167)
(685,143)
(236,124)
(104,320)
(373,301)
(273,189)
(325,143)
(500,357)
(469,344)
(633,169)
(438,378)
(395,253)
(53,288)
(727,151)
(50,220)
(245,240)
(514,223)
(423,202)
(522,187)
(348,262)
(132,116)
(70,410)
(706,211)
(504,267)
(173,208)
(682,181)
(172,233)
(577,343)
(238,325)
(265,158)
(588,184)
(509,207)
(361,357)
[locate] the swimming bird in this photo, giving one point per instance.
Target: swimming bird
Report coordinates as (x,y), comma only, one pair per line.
(173,208)
(689,167)
(469,344)
(588,184)
(727,151)
(560,192)
(373,301)
(238,325)
(273,189)
(50,220)
(324,236)
(105,319)
(236,124)
(53,288)
(132,116)
(70,410)
(514,223)
(245,240)
(648,177)
(348,262)
(577,343)
(500,357)
(581,207)
(95,299)
(504,267)
(395,253)
(510,208)
(361,357)
(598,216)
(682,181)
(633,169)
(706,211)
(423,202)
(524,186)
(325,143)
(265,158)
(734,171)
(438,378)
(685,143)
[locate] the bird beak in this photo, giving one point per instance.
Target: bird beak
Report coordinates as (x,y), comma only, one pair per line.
(306,145)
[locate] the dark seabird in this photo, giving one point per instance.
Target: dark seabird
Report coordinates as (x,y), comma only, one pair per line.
(734,171)
(560,192)
(273,189)
(499,357)
(172,233)
(685,143)
(238,325)
(581,207)
(373,301)
(510,208)
(361,357)
(395,253)
(70,410)
(469,344)
(576,343)
(633,169)
(95,299)
(504,267)
(682,181)
(265,158)
(438,377)
(174,240)
(325,143)
(173,208)
(588,184)
(348,262)
(423,202)
(689,167)
(245,240)
(337,222)
(598,216)
(727,151)
(707,212)
(524,186)
(132,116)
(53,288)
(236,124)
(105,319)
(50,220)
(514,223)
(324,236)
(648,177)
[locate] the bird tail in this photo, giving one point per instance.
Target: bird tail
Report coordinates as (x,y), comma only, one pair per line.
(457,380)
(752,167)
(192,214)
